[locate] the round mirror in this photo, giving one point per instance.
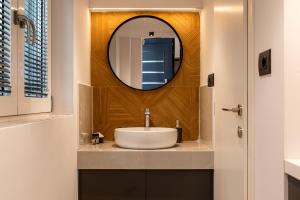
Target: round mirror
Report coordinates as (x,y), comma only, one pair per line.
(145,52)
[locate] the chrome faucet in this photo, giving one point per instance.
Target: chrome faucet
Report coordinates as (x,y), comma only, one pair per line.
(147,117)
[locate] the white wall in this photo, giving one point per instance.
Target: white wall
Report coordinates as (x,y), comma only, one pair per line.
(38,160)
(207,67)
(62,56)
(268,102)
(125,59)
(136,63)
(140,28)
(82,41)
(81,52)
(207,41)
(292,78)
(113,55)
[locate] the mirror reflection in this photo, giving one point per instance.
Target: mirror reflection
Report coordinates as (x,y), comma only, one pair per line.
(145,52)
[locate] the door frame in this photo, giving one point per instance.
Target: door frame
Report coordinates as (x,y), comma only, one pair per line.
(251,100)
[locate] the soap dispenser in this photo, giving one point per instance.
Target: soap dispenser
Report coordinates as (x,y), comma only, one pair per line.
(179,132)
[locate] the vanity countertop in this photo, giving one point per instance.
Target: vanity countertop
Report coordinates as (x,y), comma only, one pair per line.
(292,167)
(188,155)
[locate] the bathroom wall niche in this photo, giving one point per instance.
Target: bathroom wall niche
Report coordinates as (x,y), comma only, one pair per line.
(145,52)
(117,105)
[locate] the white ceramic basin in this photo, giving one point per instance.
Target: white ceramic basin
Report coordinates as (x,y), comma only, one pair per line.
(145,138)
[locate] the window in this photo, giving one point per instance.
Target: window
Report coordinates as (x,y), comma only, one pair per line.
(35,58)
(24,57)
(8,61)
(5,64)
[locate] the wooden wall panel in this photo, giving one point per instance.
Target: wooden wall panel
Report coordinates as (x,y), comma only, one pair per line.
(116,105)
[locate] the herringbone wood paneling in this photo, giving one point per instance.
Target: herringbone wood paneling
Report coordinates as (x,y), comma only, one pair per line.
(116,105)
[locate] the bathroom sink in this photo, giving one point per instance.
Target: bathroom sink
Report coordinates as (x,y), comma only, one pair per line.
(145,138)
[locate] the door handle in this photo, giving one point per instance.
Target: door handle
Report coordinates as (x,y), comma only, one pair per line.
(25,22)
(240,132)
(238,110)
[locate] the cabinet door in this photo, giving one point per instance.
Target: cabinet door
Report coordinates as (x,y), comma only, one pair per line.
(111,185)
(179,185)
(294,188)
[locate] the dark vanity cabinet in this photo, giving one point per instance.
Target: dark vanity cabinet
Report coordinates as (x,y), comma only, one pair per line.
(145,185)
(179,185)
(111,185)
(294,188)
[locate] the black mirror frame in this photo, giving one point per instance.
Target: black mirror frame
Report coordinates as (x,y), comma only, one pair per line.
(145,16)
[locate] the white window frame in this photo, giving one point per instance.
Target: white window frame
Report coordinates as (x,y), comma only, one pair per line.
(17,103)
(9,103)
(30,105)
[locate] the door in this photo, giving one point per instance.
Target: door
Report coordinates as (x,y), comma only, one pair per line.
(158,62)
(230,91)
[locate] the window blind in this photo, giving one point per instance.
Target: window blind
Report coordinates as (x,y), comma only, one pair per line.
(36,55)
(5,45)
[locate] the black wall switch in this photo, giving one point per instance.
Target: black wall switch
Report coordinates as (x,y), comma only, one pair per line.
(264,63)
(211,80)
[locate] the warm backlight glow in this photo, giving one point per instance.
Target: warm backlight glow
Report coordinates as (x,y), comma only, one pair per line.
(229,9)
(144,9)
